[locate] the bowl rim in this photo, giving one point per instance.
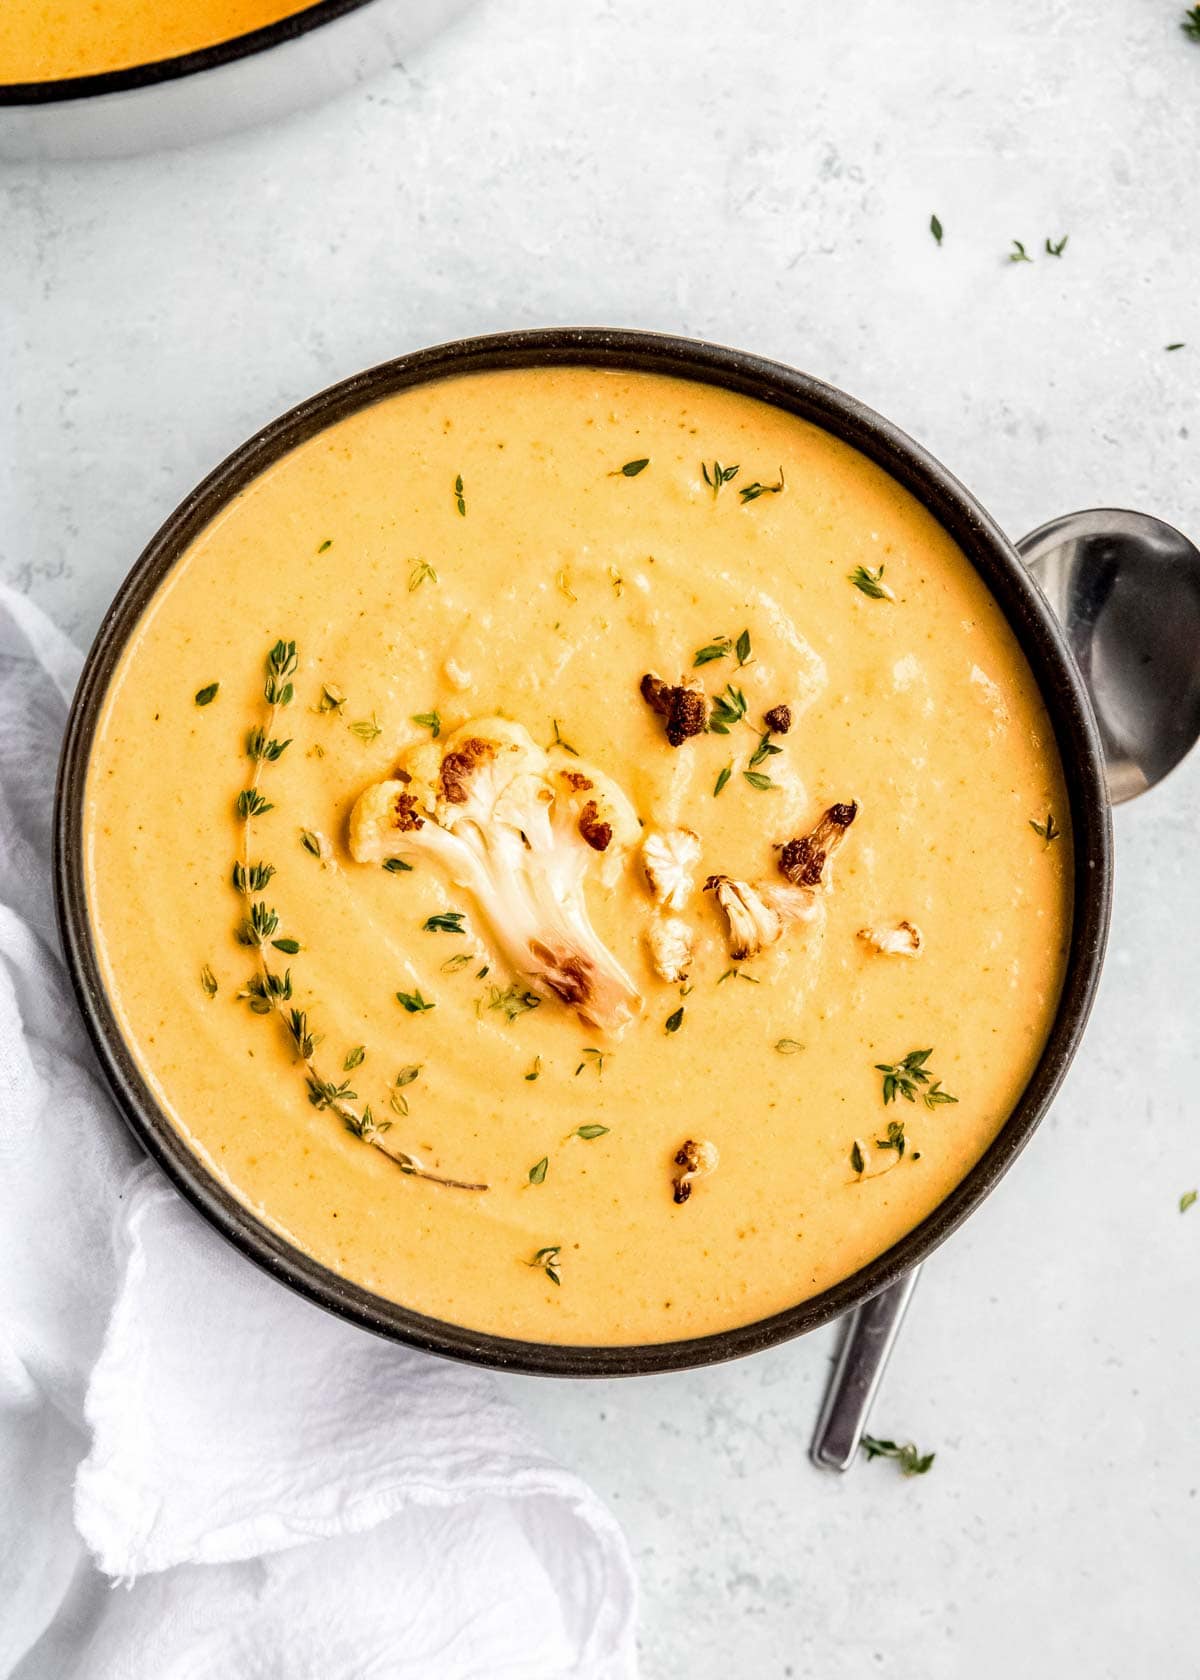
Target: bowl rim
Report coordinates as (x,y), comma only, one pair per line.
(62,89)
(987,549)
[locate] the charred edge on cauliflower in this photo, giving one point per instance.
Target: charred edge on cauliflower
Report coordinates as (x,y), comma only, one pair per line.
(459,767)
(405,817)
(695,1160)
(802,861)
(597,834)
(685,709)
(778,720)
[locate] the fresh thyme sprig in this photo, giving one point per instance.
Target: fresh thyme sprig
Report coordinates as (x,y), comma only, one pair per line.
(911,1462)
(267,991)
(727,709)
(1049,830)
(546,1260)
(751,492)
(720,476)
(908,1078)
(1019,254)
(871,583)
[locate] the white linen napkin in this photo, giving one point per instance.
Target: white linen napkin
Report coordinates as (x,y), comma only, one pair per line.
(285,1497)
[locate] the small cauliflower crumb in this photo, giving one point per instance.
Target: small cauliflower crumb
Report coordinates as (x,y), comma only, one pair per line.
(668,860)
(693,1160)
(670,942)
(904,940)
(778,720)
(457,675)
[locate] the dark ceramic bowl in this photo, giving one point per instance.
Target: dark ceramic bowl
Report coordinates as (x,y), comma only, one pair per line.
(320,50)
(992,555)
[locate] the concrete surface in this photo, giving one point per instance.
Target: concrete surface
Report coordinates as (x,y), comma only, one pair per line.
(762,175)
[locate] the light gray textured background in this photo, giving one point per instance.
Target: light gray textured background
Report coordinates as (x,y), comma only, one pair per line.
(762,175)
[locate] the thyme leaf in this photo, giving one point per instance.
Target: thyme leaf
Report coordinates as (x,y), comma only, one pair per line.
(908,1077)
(1188,1199)
(446,921)
(911,1462)
(751,492)
(422,572)
(546,1260)
(367,729)
(430,721)
(512,1000)
(414,1003)
(631,468)
(535,1071)
(1049,830)
(722,779)
(1056,247)
(397,866)
(675,1020)
(936,229)
(354,1058)
(209,981)
(857,1163)
(871,583)
(788,1046)
(206,695)
(587,1133)
(720,475)
(1190,23)
(764,784)
(727,709)
(591,1058)
(459,501)
(1019,254)
(559,742)
(538,1171)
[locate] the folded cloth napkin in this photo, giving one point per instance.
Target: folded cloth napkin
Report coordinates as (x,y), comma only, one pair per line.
(284,1497)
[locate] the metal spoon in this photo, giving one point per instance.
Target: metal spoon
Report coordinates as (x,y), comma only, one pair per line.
(1126,589)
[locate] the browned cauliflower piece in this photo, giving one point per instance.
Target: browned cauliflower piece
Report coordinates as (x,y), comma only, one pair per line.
(804,861)
(758,913)
(684,706)
(693,1160)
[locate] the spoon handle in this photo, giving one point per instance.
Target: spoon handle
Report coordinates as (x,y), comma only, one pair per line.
(854,1383)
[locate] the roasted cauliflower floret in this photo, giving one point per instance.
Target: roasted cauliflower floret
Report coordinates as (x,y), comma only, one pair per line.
(758,913)
(904,940)
(491,809)
(670,942)
(669,859)
(682,706)
(693,1160)
(804,861)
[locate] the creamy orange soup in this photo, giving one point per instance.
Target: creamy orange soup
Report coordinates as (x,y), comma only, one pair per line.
(45,40)
(678,1109)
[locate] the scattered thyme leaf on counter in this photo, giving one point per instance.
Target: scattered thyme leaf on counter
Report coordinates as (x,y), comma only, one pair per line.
(397,866)
(446,921)
(788,1046)
(513,1000)
(631,468)
(727,709)
(764,784)
(422,571)
(675,1020)
(414,1003)
(354,1058)
(1019,254)
(1190,23)
(720,475)
(591,1058)
(1056,247)
(589,1133)
(428,720)
(537,1172)
(751,492)
(907,1078)
(1188,1199)
(716,649)
(205,696)
(722,779)
(911,1462)
(871,583)
(367,729)
(1180,346)
(1049,830)
(459,500)
(209,981)
(559,742)
(936,229)
(332,699)
(857,1163)
(535,1071)
(546,1260)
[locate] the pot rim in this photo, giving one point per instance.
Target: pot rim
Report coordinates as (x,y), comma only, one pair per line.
(987,549)
(65,88)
